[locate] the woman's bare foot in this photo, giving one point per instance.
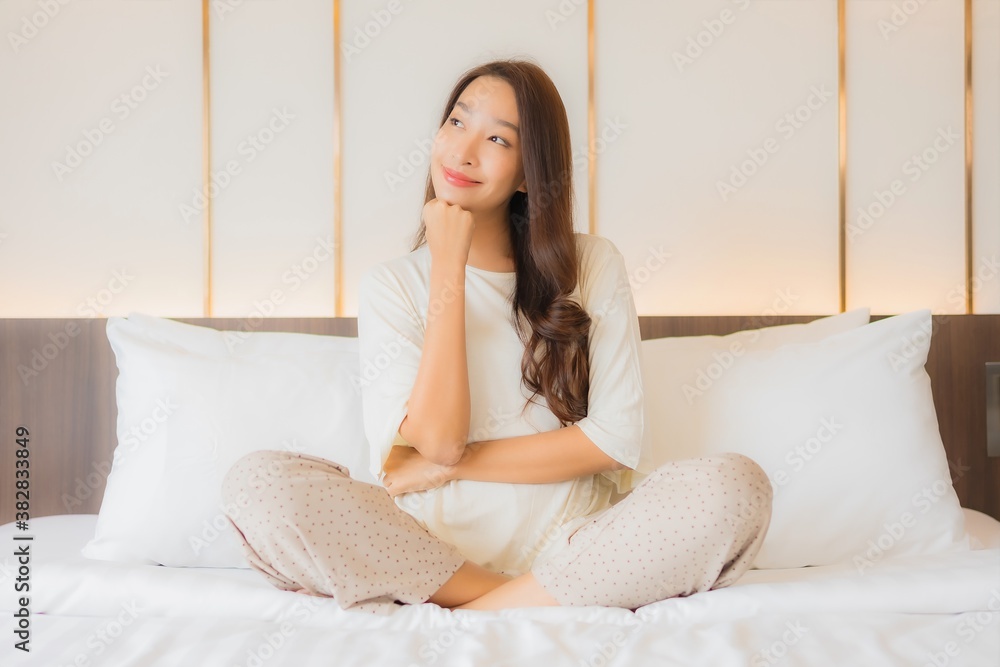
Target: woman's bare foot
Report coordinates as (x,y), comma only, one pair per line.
(475,587)
(469,582)
(523,591)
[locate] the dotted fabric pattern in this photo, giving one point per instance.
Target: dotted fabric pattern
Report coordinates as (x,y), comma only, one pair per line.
(692,525)
(303,523)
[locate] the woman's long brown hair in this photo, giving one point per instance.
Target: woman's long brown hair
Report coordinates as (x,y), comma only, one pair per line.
(555,363)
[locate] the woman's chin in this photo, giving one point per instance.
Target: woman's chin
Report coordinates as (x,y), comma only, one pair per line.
(450,196)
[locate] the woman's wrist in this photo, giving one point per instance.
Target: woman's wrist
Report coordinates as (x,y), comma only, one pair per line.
(454,471)
(449,271)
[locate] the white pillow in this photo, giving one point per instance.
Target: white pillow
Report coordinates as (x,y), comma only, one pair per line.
(191,401)
(846,429)
(677,370)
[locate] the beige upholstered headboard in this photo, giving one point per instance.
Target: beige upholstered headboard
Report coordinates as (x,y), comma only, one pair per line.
(59,383)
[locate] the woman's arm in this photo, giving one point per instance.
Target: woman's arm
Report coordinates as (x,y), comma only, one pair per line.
(437,420)
(553,456)
(439,407)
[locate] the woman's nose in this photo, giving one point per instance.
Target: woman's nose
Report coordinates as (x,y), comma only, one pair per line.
(463,150)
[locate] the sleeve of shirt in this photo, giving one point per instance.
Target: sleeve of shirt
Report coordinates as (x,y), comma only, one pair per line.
(390,340)
(615,417)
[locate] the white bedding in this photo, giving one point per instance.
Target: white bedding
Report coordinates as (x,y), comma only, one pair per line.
(941,609)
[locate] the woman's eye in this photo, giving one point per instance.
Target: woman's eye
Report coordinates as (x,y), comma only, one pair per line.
(454,121)
(501,140)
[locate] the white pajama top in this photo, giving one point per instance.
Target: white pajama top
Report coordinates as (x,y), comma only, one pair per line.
(503,526)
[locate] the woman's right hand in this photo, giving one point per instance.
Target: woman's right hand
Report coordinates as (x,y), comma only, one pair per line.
(448,229)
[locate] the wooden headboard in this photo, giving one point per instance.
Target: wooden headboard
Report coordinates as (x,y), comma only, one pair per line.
(59,383)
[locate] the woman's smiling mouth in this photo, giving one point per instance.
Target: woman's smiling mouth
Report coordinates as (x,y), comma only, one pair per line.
(456,178)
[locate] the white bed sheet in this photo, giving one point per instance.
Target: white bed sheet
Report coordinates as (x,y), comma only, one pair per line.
(936,610)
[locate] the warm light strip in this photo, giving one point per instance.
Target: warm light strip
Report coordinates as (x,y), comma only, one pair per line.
(968,158)
(591,121)
(338,277)
(842,163)
(206,154)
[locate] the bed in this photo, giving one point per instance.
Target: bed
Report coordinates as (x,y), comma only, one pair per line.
(916,606)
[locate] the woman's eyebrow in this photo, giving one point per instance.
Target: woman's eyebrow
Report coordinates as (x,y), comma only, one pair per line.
(499,121)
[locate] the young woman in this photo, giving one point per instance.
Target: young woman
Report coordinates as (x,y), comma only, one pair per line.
(503,406)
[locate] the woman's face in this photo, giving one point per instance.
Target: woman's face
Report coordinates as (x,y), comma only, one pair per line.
(476,158)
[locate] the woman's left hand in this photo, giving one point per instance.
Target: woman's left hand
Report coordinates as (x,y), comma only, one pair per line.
(407,470)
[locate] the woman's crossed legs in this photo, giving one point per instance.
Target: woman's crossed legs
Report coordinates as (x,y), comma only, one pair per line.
(690,526)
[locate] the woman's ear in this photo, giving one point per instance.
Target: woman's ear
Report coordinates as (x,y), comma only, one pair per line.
(523,187)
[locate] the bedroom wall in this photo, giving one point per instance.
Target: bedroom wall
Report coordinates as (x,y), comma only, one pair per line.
(716,128)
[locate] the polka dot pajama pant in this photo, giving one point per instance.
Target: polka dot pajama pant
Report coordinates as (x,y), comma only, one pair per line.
(690,526)
(303,523)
